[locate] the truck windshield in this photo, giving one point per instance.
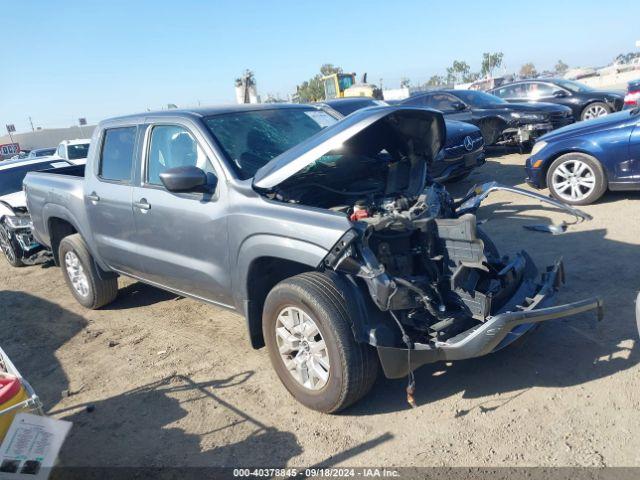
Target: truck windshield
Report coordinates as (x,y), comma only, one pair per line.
(251,139)
(76,152)
(11,178)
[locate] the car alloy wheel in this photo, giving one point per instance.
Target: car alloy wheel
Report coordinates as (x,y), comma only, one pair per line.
(594,111)
(573,180)
(76,273)
(5,245)
(302,348)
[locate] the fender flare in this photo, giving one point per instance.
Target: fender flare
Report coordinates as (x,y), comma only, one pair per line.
(275,246)
(52,210)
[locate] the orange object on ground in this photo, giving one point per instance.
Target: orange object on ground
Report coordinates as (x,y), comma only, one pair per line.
(11,393)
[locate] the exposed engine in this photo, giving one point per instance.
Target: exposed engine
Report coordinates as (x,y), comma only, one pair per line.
(421,261)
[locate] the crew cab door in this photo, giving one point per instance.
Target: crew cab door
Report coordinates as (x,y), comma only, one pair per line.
(107,199)
(182,236)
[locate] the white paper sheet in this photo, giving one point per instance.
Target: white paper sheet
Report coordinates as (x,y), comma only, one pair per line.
(31,447)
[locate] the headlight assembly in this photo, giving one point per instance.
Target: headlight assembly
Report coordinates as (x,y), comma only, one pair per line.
(14,222)
(528,116)
(537,147)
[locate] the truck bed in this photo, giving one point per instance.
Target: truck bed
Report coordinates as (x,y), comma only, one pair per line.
(55,193)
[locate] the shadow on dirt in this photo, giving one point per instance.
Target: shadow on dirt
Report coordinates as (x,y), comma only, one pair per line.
(32,330)
(140,295)
(159,440)
(560,353)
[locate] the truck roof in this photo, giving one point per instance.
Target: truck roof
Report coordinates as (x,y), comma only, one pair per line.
(201,112)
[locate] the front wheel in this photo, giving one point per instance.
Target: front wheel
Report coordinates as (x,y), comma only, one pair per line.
(595,110)
(89,288)
(307,331)
(576,179)
(10,247)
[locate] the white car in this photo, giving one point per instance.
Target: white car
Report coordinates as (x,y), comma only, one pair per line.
(73,151)
(16,241)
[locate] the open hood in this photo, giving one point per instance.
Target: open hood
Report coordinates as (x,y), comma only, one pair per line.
(414,131)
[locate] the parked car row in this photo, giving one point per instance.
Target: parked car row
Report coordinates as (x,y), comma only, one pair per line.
(501,122)
(585,102)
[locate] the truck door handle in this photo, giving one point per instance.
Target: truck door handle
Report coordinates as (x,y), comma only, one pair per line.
(142,204)
(93,196)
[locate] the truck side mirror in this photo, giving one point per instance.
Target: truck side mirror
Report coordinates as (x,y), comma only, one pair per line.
(184,179)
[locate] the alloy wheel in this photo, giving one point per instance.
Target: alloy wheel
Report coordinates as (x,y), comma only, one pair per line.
(595,111)
(5,245)
(302,348)
(573,180)
(76,273)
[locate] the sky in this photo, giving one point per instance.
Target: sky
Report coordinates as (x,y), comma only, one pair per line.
(67,59)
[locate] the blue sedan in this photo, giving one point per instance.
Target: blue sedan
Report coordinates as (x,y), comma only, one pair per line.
(580,162)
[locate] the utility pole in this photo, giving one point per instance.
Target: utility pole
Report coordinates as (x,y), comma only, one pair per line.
(31,122)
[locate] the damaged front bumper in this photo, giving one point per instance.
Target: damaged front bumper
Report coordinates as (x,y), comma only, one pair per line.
(525,133)
(460,165)
(529,305)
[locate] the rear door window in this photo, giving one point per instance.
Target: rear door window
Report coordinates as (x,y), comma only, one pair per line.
(116,159)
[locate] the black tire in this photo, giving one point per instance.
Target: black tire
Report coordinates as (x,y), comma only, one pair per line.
(101,290)
(353,366)
(10,247)
(594,105)
(595,166)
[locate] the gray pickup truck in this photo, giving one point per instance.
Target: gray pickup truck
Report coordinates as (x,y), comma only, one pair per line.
(327,235)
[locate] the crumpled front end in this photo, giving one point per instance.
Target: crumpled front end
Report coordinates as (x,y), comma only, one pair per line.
(531,304)
(438,288)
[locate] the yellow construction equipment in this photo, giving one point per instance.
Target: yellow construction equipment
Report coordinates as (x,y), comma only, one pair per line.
(339,85)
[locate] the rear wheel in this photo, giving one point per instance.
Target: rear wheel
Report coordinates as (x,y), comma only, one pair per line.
(10,247)
(577,179)
(595,110)
(80,272)
(307,330)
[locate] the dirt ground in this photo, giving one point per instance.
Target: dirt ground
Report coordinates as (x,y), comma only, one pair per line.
(174,382)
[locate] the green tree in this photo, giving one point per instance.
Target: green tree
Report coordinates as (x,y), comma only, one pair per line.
(471,77)
(491,62)
(405,82)
(528,70)
(312,90)
(328,69)
(561,67)
(435,81)
(457,72)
